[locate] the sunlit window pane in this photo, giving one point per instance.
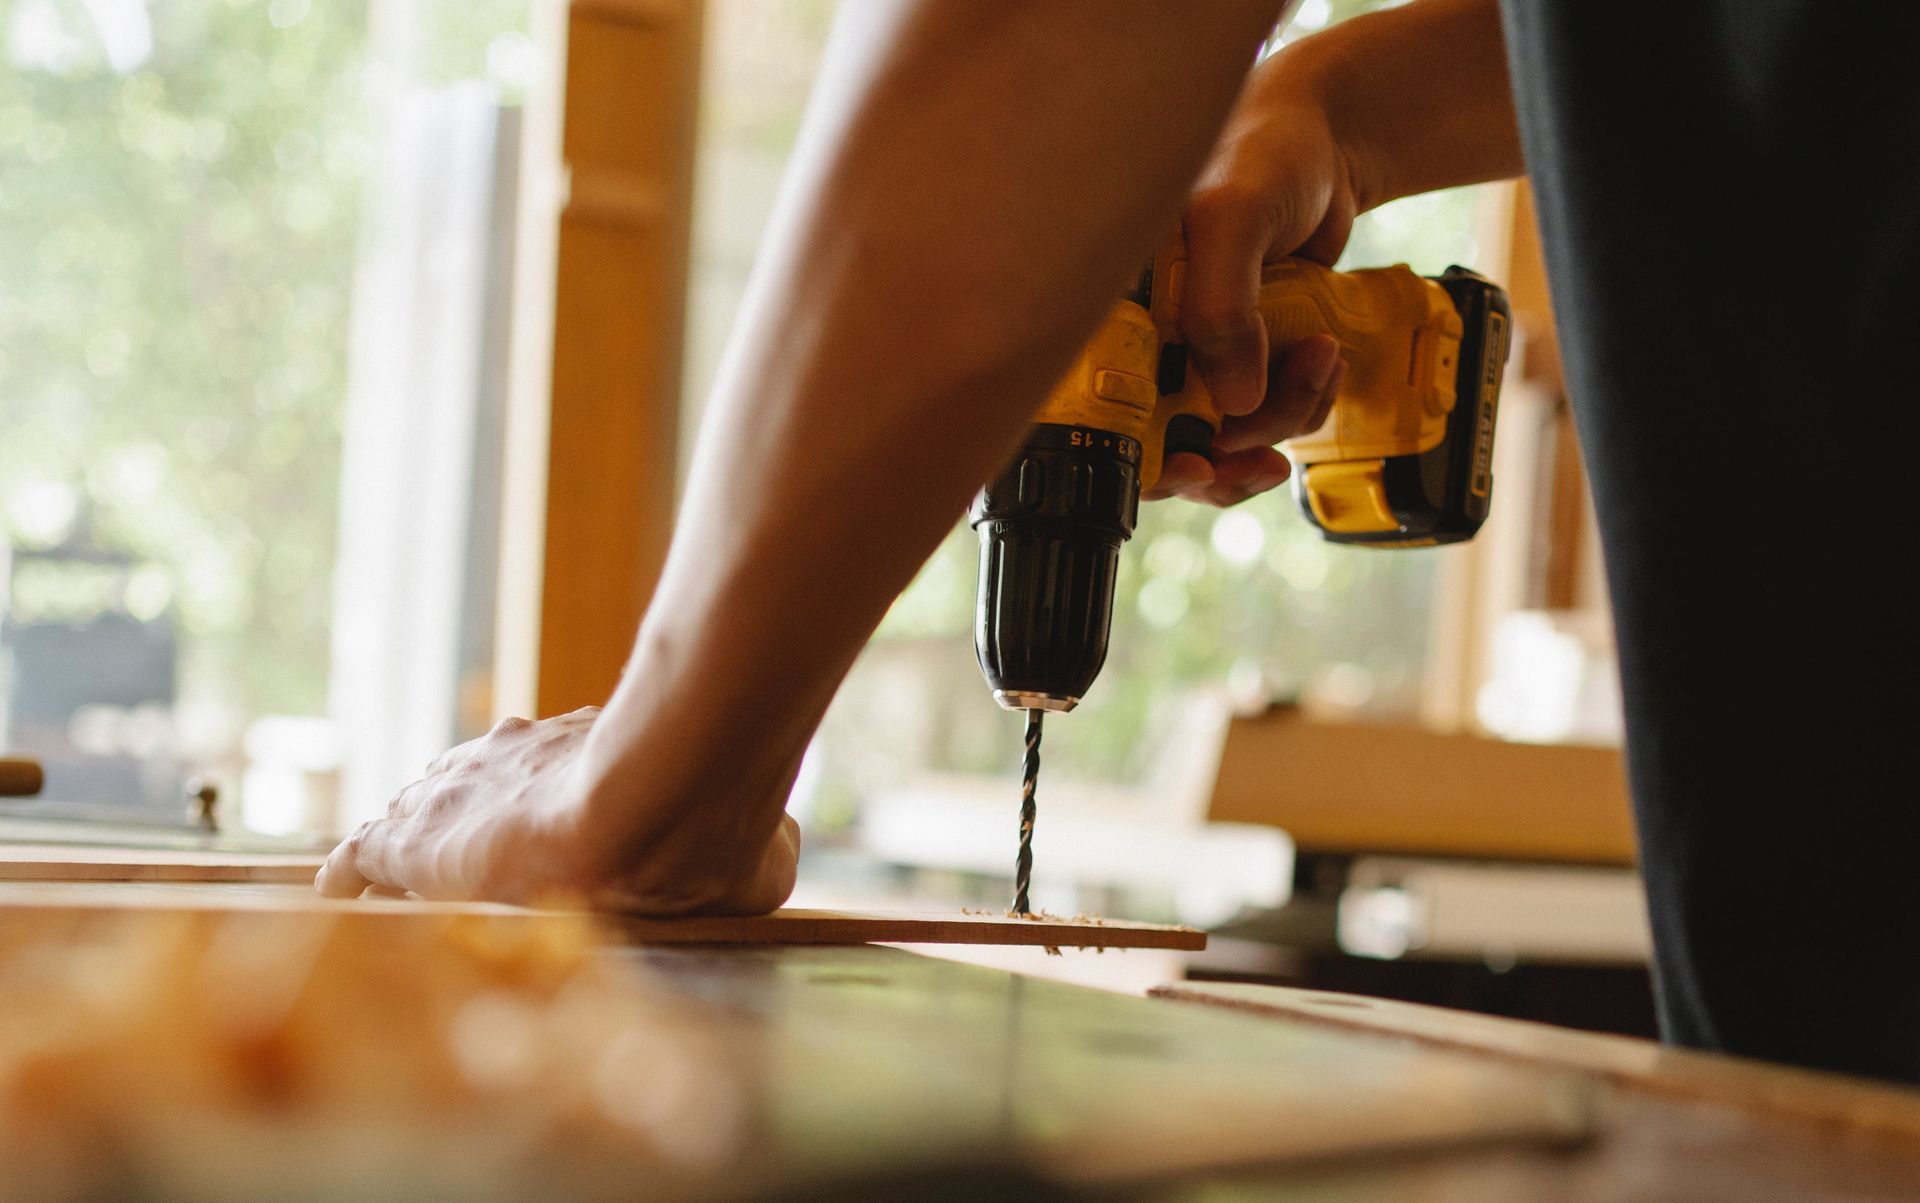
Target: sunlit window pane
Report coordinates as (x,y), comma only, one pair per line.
(191,223)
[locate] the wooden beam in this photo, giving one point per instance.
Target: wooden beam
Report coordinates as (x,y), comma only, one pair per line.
(85,862)
(1539,549)
(591,475)
(1359,787)
(1831,1102)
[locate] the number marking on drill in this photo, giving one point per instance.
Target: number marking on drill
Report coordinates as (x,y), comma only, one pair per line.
(1492,360)
(1090,439)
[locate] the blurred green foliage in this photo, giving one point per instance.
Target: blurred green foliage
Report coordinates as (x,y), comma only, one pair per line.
(177,249)
(176,255)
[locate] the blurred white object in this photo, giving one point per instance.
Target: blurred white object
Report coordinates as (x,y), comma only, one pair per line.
(43,35)
(1500,914)
(1089,839)
(416,440)
(1150,839)
(292,781)
(1554,680)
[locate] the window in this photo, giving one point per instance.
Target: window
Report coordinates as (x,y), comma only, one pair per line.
(250,275)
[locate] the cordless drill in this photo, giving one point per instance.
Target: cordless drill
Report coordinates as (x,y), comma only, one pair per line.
(1404,458)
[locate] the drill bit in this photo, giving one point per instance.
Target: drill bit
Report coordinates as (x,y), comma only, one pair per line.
(1029,776)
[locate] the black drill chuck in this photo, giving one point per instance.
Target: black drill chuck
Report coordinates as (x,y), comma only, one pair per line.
(1051,525)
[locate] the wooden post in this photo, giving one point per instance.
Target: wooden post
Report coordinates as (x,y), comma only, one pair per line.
(1540,549)
(593,432)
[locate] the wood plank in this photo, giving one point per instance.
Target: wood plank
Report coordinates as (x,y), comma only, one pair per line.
(589,516)
(793,925)
(84,862)
(1827,1099)
(1351,787)
(800,926)
(242,1063)
(866,1070)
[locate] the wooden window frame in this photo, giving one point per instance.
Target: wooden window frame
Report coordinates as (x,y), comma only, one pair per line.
(1540,549)
(594,403)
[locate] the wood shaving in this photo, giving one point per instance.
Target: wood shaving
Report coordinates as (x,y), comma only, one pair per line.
(1081,920)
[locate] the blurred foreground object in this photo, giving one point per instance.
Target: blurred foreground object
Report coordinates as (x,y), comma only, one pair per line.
(170,1042)
(222,1049)
(20,777)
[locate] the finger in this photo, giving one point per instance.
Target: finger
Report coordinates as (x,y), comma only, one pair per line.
(458,754)
(774,877)
(1228,230)
(355,863)
(1181,474)
(1325,245)
(1327,398)
(1301,379)
(1245,474)
(781,867)
(408,800)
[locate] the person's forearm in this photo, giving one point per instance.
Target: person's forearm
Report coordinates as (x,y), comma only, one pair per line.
(973,188)
(1418,97)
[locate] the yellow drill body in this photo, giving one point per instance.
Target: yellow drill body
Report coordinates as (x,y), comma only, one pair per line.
(1400,337)
(1403,459)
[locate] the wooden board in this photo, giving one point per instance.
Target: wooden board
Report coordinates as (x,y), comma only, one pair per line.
(797,926)
(786,926)
(1830,1100)
(1350,787)
(82,862)
(695,1073)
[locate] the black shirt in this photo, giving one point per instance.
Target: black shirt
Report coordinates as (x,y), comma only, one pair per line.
(1729,196)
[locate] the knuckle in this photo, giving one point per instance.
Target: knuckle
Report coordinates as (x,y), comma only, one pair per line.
(1213,321)
(439,802)
(511,725)
(1232,493)
(404,801)
(1222,202)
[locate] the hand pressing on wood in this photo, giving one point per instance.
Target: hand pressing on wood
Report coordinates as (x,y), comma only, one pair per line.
(507,817)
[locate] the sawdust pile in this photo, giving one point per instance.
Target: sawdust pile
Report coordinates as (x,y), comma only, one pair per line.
(216,1055)
(1080,920)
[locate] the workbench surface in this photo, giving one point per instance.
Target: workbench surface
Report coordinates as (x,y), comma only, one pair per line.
(814,1069)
